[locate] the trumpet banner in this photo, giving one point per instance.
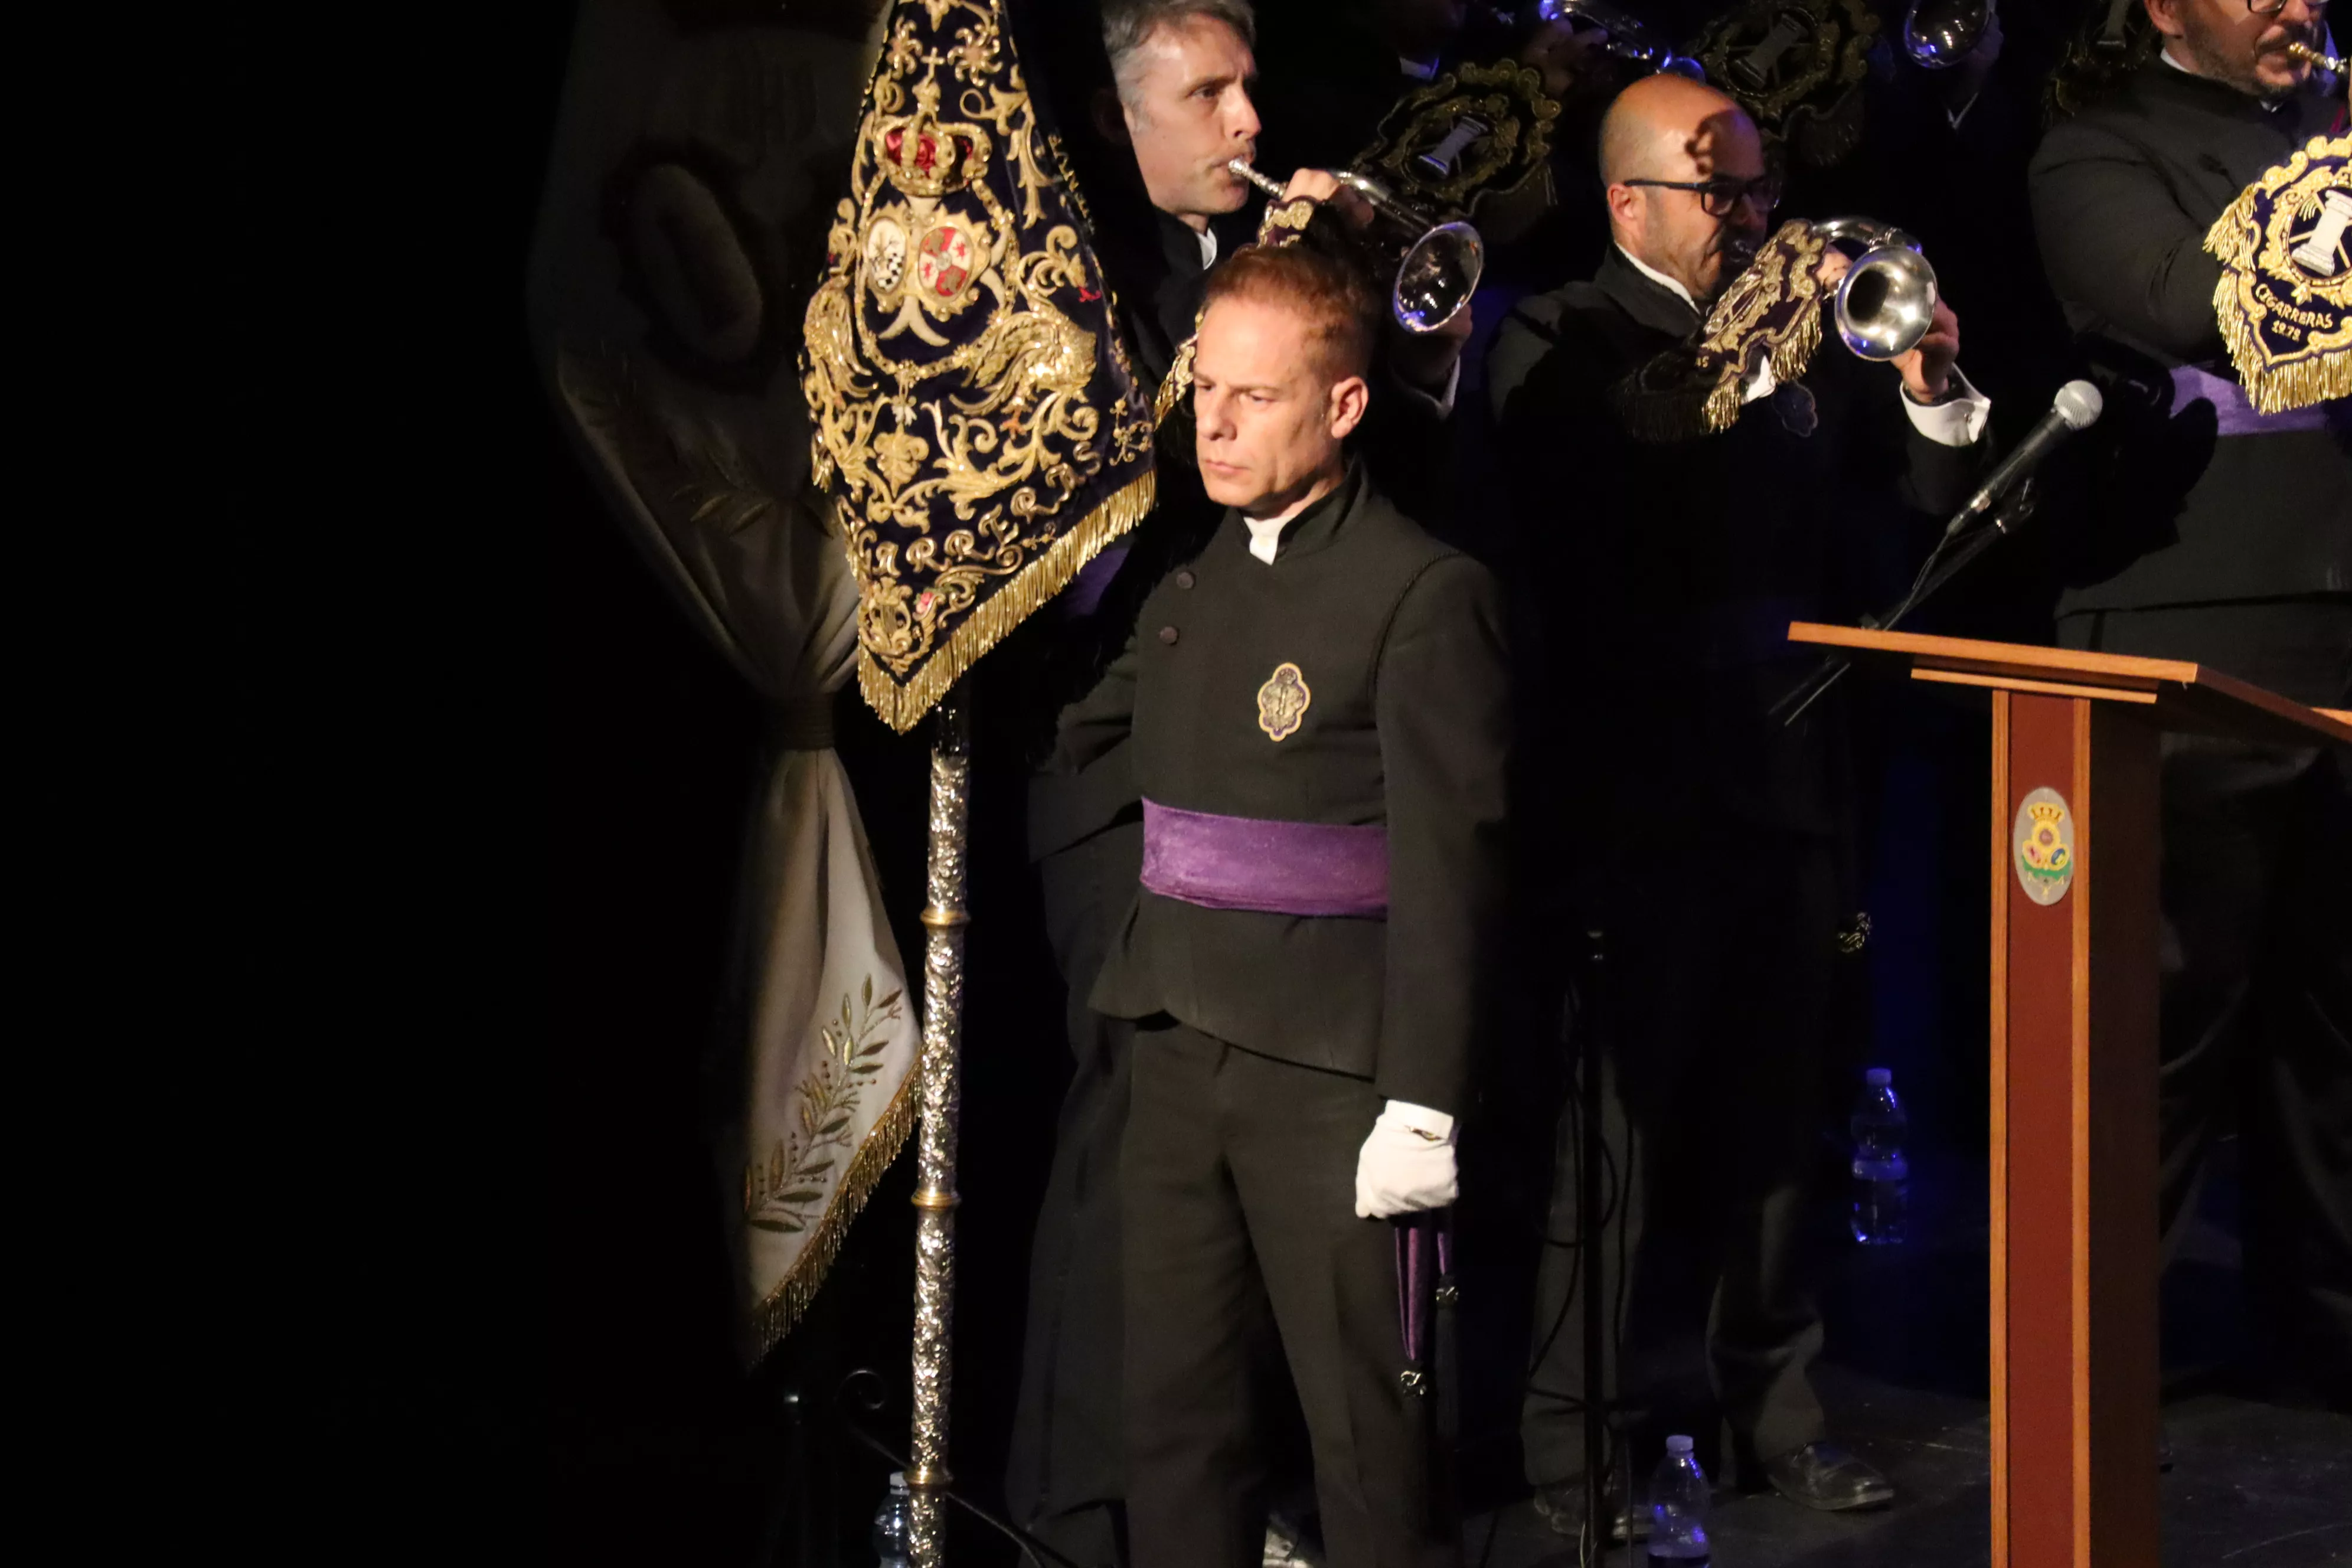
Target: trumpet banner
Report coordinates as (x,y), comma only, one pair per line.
(979,428)
(2284,299)
(1769,317)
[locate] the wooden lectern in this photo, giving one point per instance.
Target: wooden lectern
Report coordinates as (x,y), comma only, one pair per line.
(2074,934)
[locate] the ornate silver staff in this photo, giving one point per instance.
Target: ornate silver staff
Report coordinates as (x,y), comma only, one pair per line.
(935,1196)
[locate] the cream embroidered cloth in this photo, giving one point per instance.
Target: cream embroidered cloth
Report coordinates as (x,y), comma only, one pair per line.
(692,173)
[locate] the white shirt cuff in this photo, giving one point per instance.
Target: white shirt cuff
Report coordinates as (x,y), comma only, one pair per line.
(1434,1125)
(1438,403)
(1958,423)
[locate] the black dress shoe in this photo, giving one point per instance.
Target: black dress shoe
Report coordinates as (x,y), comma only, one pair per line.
(1825,1475)
(1562,1508)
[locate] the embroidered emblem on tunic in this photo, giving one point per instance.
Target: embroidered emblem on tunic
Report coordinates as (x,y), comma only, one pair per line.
(1282,702)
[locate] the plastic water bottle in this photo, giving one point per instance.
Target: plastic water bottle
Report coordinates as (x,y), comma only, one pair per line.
(1882,1177)
(894,1524)
(1678,1496)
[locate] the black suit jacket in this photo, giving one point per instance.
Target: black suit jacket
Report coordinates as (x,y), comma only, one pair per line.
(1663,576)
(1400,641)
(2169,512)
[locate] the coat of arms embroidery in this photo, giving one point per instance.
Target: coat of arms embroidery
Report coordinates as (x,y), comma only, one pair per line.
(979,431)
(1282,702)
(2044,844)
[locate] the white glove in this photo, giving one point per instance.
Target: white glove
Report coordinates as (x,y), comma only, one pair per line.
(1407,1164)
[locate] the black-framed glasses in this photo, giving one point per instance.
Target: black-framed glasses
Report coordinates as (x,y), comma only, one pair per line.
(2272,7)
(1721,195)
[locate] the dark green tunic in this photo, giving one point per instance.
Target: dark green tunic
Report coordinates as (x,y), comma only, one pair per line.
(1398,642)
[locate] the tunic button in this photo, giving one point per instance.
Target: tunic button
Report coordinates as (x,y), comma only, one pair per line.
(1167,636)
(1184,579)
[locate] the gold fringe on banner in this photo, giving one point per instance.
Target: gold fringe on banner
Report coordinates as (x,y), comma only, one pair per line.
(2288,327)
(1789,356)
(775,1316)
(903,706)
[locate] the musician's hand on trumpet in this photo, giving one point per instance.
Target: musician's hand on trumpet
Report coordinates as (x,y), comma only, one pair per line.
(1927,370)
(1324,188)
(1926,365)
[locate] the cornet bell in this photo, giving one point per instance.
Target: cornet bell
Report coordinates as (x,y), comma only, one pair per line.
(1940,34)
(1887,302)
(1440,264)
(1437,277)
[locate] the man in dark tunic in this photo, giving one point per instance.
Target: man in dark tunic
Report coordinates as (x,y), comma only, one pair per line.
(1660,582)
(1181,107)
(1313,711)
(2215,534)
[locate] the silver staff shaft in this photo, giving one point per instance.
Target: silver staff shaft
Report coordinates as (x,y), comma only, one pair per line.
(935,1194)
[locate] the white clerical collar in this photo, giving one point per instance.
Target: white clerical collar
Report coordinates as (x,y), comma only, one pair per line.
(1208,239)
(1265,534)
(1660,278)
(1419,70)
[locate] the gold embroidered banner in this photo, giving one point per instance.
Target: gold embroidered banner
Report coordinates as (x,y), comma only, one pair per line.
(1770,315)
(979,425)
(2285,300)
(1796,66)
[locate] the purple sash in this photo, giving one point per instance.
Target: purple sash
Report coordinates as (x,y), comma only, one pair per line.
(1253,863)
(2236,415)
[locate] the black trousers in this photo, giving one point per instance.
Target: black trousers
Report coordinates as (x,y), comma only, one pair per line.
(1065,1475)
(2257,1022)
(1721,953)
(2257,972)
(1239,1173)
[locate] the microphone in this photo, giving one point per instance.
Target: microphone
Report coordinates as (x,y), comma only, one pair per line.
(2076,407)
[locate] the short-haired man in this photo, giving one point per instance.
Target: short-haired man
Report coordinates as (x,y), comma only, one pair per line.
(1662,579)
(2224,537)
(1182,73)
(1314,710)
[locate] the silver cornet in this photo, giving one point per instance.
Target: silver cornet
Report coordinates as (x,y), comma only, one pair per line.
(1439,262)
(1886,301)
(1940,34)
(1629,37)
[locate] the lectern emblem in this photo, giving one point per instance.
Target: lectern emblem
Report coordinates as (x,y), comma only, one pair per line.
(2044,843)
(1282,702)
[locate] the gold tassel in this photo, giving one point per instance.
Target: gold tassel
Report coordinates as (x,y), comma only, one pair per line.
(2235,239)
(903,706)
(777,1313)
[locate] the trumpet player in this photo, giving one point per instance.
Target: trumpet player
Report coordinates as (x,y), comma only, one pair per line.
(2215,533)
(1705,839)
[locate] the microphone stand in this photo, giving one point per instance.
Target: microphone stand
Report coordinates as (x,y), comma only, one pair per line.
(1935,573)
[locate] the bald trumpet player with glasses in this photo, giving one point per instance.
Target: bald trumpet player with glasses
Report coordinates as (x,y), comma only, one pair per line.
(1698,833)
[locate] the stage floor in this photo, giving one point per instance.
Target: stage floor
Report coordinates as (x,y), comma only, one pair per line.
(2252,1486)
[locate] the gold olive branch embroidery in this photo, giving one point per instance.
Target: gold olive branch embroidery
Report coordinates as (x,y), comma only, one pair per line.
(786,1193)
